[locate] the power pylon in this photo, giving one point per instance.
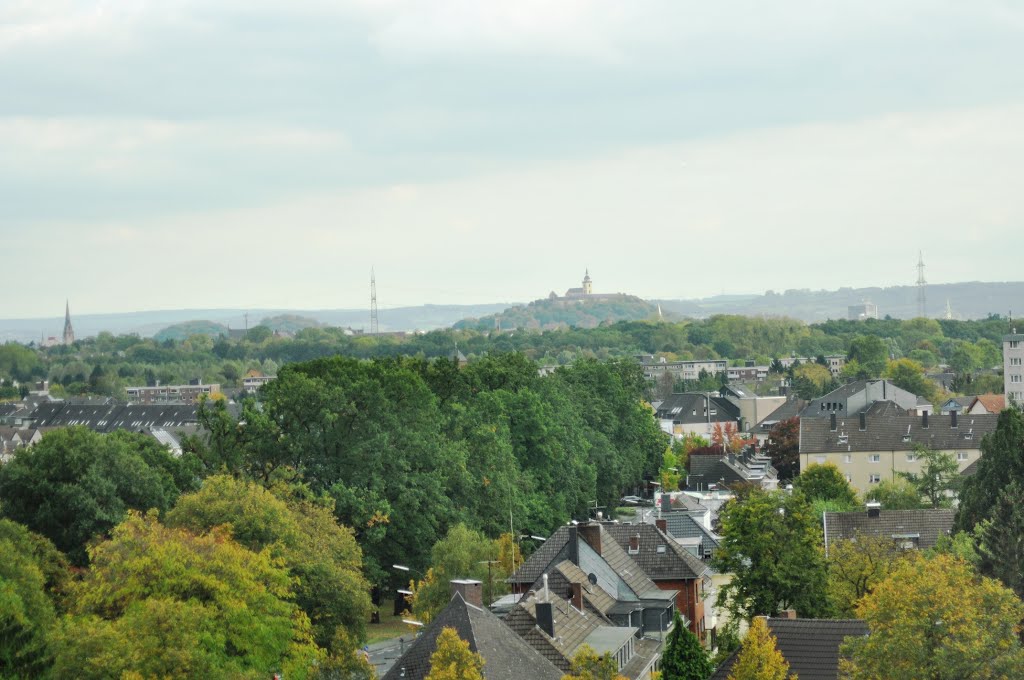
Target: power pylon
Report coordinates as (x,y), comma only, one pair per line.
(373,304)
(921,283)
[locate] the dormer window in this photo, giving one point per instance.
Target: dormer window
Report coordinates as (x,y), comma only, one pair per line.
(662,549)
(906,438)
(843,438)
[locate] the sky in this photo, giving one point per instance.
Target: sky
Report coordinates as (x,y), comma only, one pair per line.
(256,154)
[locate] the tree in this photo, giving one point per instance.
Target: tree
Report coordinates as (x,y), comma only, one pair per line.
(939,475)
(856,566)
(909,375)
(783,446)
(1001,539)
(810,381)
(936,618)
(895,494)
(453,660)
(588,665)
(771,543)
(303,534)
(462,553)
(75,484)
(1002,461)
(825,483)
(726,436)
(671,471)
(684,657)
(163,602)
(759,658)
(870,353)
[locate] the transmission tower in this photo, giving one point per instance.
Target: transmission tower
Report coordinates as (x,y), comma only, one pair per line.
(373,303)
(921,303)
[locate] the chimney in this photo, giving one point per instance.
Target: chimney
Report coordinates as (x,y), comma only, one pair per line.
(924,420)
(787,614)
(832,421)
(952,418)
(874,509)
(577,595)
(574,546)
(591,533)
(546,618)
(666,502)
(863,421)
(472,592)
(662,525)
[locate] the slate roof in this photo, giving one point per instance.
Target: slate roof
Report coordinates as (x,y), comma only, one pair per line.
(110,417)
(887,432)
(882,409)
(9,408)
(542,558)
(705,469)
(572,628)
(507,656)
(688,402)
(929,524)
(790,409)
(810,646)
(684,525)
(564,573)
(674,563)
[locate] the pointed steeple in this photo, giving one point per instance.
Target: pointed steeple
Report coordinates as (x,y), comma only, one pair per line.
(69,332)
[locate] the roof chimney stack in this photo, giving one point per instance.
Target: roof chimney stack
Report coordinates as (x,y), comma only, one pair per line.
(952,418)
(591,533)
(863,421)
(546,618)
(472,592)
(577,595)
(924,420)
(874,509)
(832,421)
(662,525)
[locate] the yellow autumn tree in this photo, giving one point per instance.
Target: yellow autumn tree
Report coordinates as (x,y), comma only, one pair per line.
(453,659)
(589,665)
(759,658)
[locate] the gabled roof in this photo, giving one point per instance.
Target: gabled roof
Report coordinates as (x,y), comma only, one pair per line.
(890,432)
(673,562)
(680,408)
(810,646)
(790,409)
(506,655)
(927,525)
(993,403)
(683,525)
(542,558)
(572,628)
(565,573)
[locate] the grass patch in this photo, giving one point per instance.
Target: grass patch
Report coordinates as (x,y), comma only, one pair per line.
(389,626)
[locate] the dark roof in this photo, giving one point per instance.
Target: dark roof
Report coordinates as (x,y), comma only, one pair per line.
(9,408)
(689,402)
(506,655)
(673,563)
(810,646)
(790,409)
(884,409)
(110,417)
(550,550)
(971,469)
(888,433)
(928,524)
(572,627)
(684,525)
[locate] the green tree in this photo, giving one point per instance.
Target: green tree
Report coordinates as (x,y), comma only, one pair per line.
(871,354)
(940,474)
(75,484)
(856,566)
(759,658)
(810,381)
(589,665)
(1001,539)
(936,618)
(909,375)
(771,545)
(163,602)
(453,659)
(26,607)
(895,494)
(684,657)
(303,534)
(825,483)
(1002,461)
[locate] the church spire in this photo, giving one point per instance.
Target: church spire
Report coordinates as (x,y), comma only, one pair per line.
(69,332)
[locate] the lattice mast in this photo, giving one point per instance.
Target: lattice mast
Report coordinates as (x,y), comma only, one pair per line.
(921,283)
(374,328)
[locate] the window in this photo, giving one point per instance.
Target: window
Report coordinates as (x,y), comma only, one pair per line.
(874,478)
(874,458)
(1015,378)
(843,439)
(661,549)
(849,479)
(911,457)
(961,455)
(1015,361)
(847,458)
(1014,344)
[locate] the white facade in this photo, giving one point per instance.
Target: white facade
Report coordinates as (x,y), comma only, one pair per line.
(1013,367)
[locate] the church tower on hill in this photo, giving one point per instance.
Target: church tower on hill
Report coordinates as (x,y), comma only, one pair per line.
(588,286)
(69,332)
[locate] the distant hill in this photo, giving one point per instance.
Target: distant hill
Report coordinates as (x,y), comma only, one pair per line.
(289,323)
(970,300)
(180,331)
(552,313)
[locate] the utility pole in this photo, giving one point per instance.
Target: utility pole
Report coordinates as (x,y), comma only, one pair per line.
(921,302)
(374,329)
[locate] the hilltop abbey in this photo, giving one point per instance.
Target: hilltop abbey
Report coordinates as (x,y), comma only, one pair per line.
(585,292)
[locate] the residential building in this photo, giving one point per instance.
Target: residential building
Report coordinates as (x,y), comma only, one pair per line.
(1013,367)
(809,646)
(792,408)
(720,471)
(164,394)
(862,311)
(655,368)
(909,529)
(881,442)
(696,412)
(975,404)
(753,409)
(748,373)
(506,655)
(12,439)
(254,380)
(858,396)
(834,362)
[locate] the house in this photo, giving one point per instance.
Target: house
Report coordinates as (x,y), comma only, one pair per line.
(1013,367)
(719,471)
(748,373)
(791,408)
(254,380)
(163,394)
(988,403)
(910,529)
(834,362)
(669,565)
(810,646)
(696,412)
(506,655)
(581,587)
(654,368)
(858,396)
(875,445)
(12,439)
(753,409)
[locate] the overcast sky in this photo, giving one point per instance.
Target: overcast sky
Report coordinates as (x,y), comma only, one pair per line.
(248,153)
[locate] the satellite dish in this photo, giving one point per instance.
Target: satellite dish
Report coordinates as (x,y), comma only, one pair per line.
(592,577)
